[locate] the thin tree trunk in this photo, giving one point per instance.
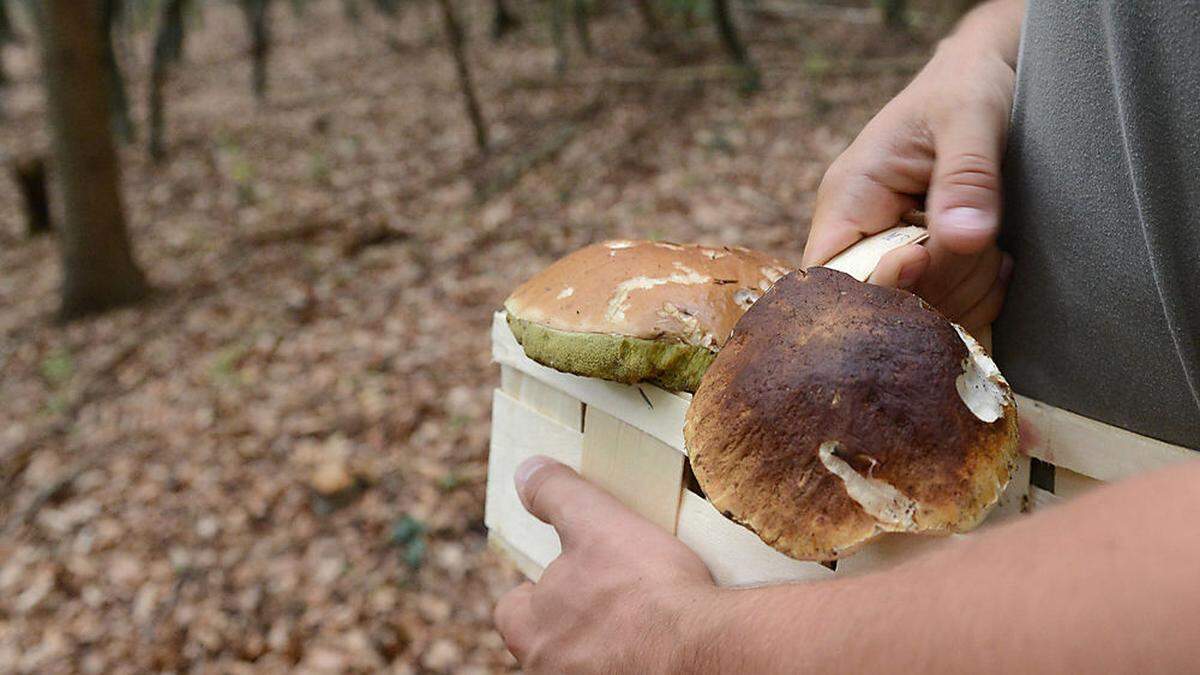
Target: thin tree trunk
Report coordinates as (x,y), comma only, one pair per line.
(895,13)
(457,40)
(503,19)
(6,30)
(99,271)
(118,101)
(558,35)
(29,171)
(168,46)
(649,17)
(651,24)
(6,36)
(257,25)
(580,13)
(4,79)
(727,31)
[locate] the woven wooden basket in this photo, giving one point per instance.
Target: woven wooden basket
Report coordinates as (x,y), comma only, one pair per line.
(629,440)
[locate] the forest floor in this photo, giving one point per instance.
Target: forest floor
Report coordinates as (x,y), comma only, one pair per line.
(327,263)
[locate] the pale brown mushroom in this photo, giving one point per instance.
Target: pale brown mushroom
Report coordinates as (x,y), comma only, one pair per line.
(634,311)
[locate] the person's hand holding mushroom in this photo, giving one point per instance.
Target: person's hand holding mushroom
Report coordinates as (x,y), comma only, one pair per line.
(939,144)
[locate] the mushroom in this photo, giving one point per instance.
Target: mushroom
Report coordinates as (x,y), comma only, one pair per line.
(840,410)
(634,311)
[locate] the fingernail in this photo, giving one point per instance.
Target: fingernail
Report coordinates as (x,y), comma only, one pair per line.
(908,276)
(1006,269)
(966,219)
(526,470)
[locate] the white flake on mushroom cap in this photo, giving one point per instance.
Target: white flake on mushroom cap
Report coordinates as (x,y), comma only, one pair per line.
(566,292)
(620,298)
(745,297)
(692,334)
(981,386)
(892,510)
(770,276)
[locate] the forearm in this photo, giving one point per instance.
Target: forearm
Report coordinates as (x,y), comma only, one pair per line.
(993,26)
(1107,582)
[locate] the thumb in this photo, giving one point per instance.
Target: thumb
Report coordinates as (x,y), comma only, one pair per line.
(558,496)
(964,193)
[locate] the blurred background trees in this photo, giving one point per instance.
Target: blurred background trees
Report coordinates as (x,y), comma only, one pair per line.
(99,271)
(81,39)
(278,463)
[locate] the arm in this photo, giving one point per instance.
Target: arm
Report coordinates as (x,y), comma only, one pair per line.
(940,140)
(1106,583)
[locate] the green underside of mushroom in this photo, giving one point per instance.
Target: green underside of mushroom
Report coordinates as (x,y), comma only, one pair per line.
(671,365)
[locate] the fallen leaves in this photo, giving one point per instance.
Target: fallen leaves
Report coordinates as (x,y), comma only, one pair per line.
(279,464)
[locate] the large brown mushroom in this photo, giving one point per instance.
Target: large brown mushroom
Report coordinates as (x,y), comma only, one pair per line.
(634,311)
(839,410)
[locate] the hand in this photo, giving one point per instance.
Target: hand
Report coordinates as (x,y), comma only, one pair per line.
(942,137)
(621,597)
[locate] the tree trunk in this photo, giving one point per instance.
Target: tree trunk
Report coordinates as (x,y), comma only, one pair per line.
(6,36)
(118,101)
(727,31)
(257,25)
(503,20)
(580,13)
(457,40)
(99,271)
(651,24)
(29,171)
(649,17)
(895,13)
(558,35)
(6,30)
(168,46)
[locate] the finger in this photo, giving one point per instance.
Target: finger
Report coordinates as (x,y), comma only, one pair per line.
(513,617)
(986,311)
(964,193)
(576,508)
(848,210)
(974,286)
(867,189)
(901,268)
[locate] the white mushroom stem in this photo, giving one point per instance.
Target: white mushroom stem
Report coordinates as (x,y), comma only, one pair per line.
(892,509)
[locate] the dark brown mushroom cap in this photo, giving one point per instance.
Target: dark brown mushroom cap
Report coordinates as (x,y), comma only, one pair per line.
(834,413)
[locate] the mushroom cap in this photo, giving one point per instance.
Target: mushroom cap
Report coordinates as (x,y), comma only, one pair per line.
(839,410)
(635,311)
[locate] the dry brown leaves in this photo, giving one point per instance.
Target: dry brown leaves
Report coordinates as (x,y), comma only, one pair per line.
(279,463)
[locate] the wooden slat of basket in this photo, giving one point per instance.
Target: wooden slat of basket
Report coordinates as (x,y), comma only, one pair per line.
(735,555)
(526,565)
(1093,448)
(519,432)
(1042,499)
(638,469)
(534,393)
(1068,484)
(653,410)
